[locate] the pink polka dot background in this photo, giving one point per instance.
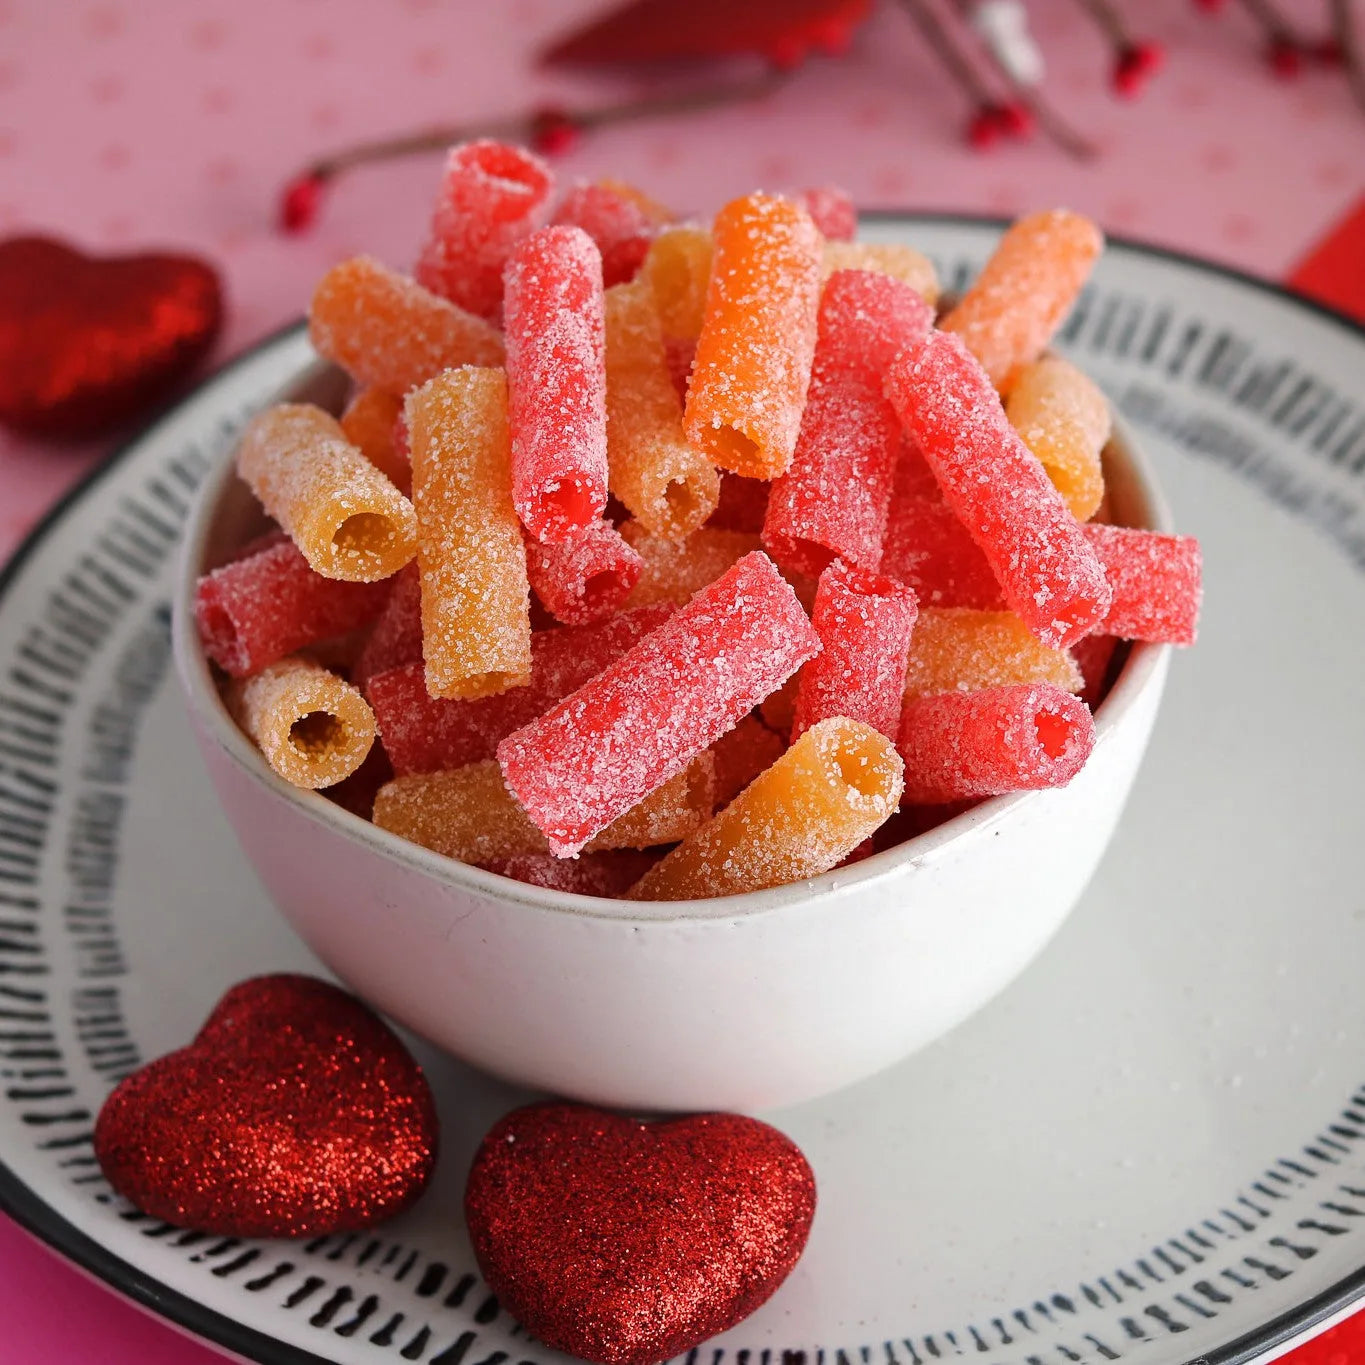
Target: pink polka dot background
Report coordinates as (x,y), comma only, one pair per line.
(158,123)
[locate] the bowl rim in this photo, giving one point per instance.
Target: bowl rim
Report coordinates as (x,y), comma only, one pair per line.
(1142,669)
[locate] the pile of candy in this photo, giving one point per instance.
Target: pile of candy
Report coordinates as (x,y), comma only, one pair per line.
(724,545)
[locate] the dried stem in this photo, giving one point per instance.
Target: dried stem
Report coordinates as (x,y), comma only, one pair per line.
(948,51)
(1109,21)
(1277,27)
(1349,41)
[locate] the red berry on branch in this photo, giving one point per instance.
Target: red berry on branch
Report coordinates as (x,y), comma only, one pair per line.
(1327,52)
(301,202)
(1209,6)
(983,131)
(1015,119)
(1285,58)
(1135,65)
(553,131)
(832,36)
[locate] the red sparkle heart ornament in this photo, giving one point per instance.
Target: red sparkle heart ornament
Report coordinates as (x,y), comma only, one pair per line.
(296,1112)
(87,343)
(626,1243)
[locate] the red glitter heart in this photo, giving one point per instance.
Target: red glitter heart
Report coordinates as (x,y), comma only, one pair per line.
(87,343)
(627,1243)
(295,1112)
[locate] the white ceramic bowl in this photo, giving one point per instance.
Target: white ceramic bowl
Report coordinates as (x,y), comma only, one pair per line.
(742,1003)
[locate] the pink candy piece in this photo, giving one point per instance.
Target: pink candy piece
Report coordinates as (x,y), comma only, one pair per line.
(257,609)
(864,622)
(831,210)
(1049,573)
(928,549)
(557,382)
(611,873)
(832,501)
(632,727)
(586,577)
(492,196)
(1157,583)
(617,223)
(962,745)
(397,635)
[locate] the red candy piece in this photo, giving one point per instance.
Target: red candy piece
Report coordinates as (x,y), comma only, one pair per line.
(256,610)
(643,719)
(962,745)
(864,622)
(627,1243)
(610,873)
(426,734)
(914,478)
(586,577)
(928,549)
(832,501)
(557,382)
(397,635)
(618,224)
(1049,573)
(1156,581)
(743,504)
(1093,656)
(831,210)
(492,196)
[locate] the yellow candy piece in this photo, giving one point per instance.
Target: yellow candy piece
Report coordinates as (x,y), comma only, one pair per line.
(677,268)
(957,649)
(675,570)
(902,263)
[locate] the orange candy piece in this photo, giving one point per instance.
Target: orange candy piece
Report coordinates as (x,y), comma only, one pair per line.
(676,569)
(957,649)
(369,422)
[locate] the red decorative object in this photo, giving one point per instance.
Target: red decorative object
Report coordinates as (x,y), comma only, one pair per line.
(1333,272)
(1285,58)
(626,1243)
(296,1112)
(554,131)
(300,202)
(1136,65)
(87,343)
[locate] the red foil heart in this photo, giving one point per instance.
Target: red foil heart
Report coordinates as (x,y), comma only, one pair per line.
(627,1243)
(87,343)
(295,1112)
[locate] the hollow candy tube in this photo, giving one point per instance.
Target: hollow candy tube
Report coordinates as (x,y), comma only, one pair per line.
(369,422)
(347,518)
(396,637)
(900,262)
(492,196)
(422,733)
(313,727)
(956,649)
(385,330)
(1157,582)
(256,610)
(1064,420)
(1046,569)
(642,719)
(927,548)
(741,754)
(961,745)
(586,577)
(864,622)
(674,570)
(670,486)
(677,268)
(476,622)
(831,210)
(556,379)
(468,813)
(801,817)
(1025,290)
(757,340)
(621,220)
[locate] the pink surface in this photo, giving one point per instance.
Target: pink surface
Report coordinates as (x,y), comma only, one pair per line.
(155,123)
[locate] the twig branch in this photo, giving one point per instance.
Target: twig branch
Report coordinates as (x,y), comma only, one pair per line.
(1346,30)
(949,52)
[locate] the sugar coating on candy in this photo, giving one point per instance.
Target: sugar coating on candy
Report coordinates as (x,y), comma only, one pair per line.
(831,210)
(1157,581)
(741,754)
(313,727)
(757,341)
(799,818)
(865,623)
(1049,574)
(469,815)
(556,377)
(388,332)
(645,717)
(610,874)
(347,517)
(928,549)
(585,578)
(256,610)
(492,196)
(674,570)
(1094,657)
(677,269)
(396,637)
(1064,419)
(369,422)
(743,504)
(422,733)
(1024,291)
(476,622)
(866,320)
(961,745)
(665,482)
(621,221)
(900,262)
(956,649)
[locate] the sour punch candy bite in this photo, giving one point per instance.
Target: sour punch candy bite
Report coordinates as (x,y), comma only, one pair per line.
(1157,582)
(586,577)
(757,340)
(958,746)
(369,422)
(801,817)
(831,210)
(385,330)
(556,379)
(1025,290)
(611,873)
(347,518)
(956,649)
(1049,575)
(476,623)
(642,719)
(620,220)
(864,622)
(928,549)
(492,196)
(900,262)
(673,570)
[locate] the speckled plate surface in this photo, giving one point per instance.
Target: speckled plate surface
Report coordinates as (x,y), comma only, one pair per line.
(1152,1147)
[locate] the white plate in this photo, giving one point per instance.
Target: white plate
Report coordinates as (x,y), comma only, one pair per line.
(1152,1147)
